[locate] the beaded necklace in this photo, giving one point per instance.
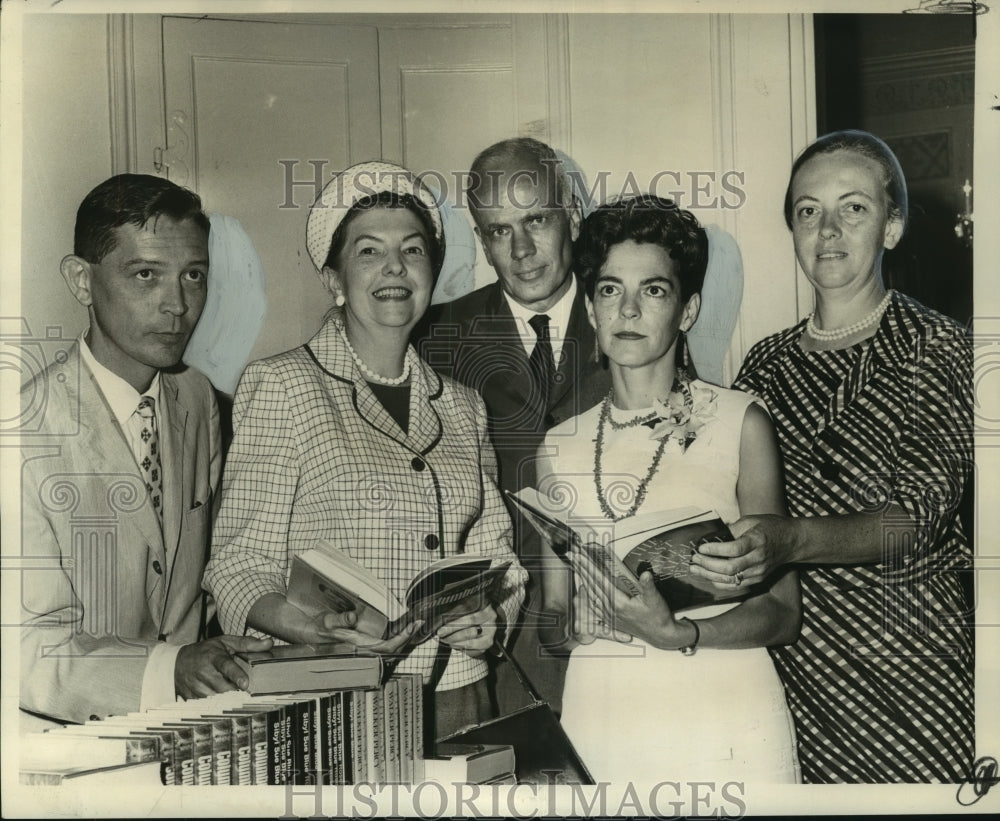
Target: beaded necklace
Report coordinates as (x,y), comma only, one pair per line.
(369,374)
(681,388)
(842,333)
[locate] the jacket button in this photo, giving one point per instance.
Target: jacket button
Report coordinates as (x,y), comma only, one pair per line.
(417,464)
(431,541)
(828,470)
(157,568)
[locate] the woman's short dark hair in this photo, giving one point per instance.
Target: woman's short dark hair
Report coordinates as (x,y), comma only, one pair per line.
(130,199)
(867,145)
(643,219)
(388,199)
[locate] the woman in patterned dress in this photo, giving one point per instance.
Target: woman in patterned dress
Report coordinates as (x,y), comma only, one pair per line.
(871,398)
(352,438)
(648,694)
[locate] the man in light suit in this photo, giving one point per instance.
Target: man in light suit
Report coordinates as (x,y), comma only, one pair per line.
(118,481)
(526,220)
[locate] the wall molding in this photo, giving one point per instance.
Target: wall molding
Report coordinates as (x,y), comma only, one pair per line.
(557,57)
(121,91)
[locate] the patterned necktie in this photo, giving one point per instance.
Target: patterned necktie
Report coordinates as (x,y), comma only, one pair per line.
(149,462)
(541,357)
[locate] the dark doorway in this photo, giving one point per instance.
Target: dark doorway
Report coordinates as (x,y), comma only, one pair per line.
(910,79)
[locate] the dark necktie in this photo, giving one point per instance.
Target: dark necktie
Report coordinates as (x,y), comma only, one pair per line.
(542,365)
(150,461)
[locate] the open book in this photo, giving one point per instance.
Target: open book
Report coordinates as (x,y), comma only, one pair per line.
(326,578)
(661,542)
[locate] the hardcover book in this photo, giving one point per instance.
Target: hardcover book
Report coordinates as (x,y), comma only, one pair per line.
(661,542)
(325,578)
(456,763)
(299,668)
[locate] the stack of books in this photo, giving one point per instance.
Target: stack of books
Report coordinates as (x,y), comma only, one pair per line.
(368,734)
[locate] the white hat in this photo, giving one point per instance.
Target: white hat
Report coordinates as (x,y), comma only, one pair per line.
(357,182)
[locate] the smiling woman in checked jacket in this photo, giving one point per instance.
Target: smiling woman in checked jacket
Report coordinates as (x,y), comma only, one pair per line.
(397,471)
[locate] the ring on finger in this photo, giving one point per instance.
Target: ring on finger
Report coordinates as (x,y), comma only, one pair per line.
(738,578)
(479,630)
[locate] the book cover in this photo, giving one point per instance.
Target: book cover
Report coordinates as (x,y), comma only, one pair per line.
(104,747)
(325,578)
(175,747)
(455,763)
(84,776)
(300,668)
(660,541)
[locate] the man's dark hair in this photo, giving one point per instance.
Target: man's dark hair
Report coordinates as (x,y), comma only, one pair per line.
(130,199)
(644,218)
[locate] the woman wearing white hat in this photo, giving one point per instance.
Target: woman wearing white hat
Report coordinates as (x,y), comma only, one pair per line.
(352,438)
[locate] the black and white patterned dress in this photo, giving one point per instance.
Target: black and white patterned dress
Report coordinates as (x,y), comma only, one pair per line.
(880,682)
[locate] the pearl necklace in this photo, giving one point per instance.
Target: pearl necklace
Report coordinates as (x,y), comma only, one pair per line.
(843,333)
(643,486)
(369,374)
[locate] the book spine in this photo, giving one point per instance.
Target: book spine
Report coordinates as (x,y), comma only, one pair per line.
(242,773)
(405,702)
(167,755)
(222,751)
(184,755)
(260,747)
(203,753)
(298,721)
(287,753)
(275,745)
(339,749)
(324,753)
(359,739)
(307,726)
(419,719)
(375,732)
(390,723)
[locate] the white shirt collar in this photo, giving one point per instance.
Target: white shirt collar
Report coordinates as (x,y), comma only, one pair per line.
(558,314)
(120,395)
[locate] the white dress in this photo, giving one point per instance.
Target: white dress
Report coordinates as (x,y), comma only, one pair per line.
(639,714)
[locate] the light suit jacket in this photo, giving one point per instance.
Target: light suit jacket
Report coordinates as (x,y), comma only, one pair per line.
(101,584)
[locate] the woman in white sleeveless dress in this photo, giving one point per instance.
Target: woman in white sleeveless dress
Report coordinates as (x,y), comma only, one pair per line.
(653,696)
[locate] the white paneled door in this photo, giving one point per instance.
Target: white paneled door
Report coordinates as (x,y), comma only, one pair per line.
(253,109)
(258,112)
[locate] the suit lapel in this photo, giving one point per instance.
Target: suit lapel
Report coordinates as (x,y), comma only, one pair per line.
(498,326)
(173,454)
(104,446)
(424,426)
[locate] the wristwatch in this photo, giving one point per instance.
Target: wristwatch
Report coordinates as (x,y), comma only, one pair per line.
(692,648)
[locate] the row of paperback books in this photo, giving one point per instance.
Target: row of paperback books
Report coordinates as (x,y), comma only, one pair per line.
(351,736)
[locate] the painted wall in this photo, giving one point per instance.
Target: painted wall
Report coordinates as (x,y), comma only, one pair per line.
(696,96)
(66,149)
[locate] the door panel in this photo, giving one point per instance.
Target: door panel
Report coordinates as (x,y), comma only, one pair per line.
(259,115)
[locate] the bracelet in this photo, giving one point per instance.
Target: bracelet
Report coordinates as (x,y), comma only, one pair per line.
(690,649)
